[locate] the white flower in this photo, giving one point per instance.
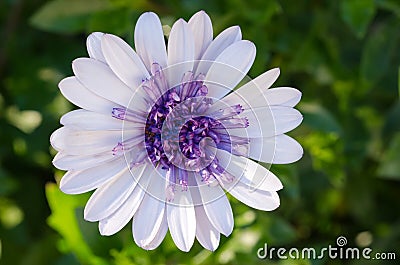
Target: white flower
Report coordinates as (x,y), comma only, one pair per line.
(160,135)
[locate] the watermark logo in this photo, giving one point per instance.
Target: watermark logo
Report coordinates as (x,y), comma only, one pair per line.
(338,251)
(341,241)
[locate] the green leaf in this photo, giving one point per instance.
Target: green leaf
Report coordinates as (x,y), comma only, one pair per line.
(390,5)
(381,45)
(100,245)
(63,220)
(67,16)
(392,124)
(7,183)
(281,231)
(358,14)
(319,118)
(115,21)
(390,166)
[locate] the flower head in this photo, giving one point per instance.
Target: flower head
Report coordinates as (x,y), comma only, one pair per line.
(161,135)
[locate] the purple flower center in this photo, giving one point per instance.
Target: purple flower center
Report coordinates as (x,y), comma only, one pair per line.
(181,132)
(191,132)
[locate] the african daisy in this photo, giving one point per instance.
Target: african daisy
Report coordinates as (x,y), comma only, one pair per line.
(161,135)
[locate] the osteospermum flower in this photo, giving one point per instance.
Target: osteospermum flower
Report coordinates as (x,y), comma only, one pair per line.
(160,135)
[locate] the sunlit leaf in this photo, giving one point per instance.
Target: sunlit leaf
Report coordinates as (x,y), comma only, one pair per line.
(63,220)
(10,214)
(26,120)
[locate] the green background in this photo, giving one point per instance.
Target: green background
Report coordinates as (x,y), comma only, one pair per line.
(343,55)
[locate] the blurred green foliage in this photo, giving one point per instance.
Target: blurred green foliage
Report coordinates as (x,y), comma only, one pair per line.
(343,55)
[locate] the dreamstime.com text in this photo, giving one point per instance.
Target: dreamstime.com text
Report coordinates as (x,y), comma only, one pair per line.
(340,251)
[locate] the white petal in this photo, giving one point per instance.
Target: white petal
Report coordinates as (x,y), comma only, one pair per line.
(248,172)
(217,207)
(180,43)
(160,235)
(180,52)
(101,80)
(206,234)
(229,68)
(257,199)
(148,219)
(262,82)
(81,181)
(268,121)
(217,46)
(182,220)
(116,221)
(82,97)
(280,149)
(252,195)
(201,27)
(252,94)
(74,142)
(274,120)
(78,162)
(88,120)
(93,43)
(255,94)
(109,197)
(283,96)
(124,61)
(149,40)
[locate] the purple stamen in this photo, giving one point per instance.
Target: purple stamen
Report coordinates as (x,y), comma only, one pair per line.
(171,183)
(138,159)
(228,112)
(233,123)
(118,148)
(126,145)
(127,115)
(219,173)
(183,179)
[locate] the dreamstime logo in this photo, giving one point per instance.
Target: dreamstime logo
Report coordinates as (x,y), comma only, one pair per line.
(340,251)
(341,241)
